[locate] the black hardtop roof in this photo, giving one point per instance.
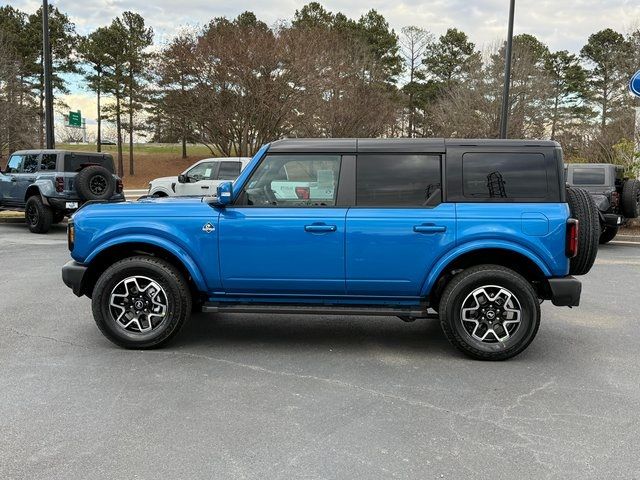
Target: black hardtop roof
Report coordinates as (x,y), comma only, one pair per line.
(55,150)
(406,145)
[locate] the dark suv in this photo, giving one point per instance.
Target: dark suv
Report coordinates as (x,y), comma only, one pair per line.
(617,197)
(480,231)
(51,184)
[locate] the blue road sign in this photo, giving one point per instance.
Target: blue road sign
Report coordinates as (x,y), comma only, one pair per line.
(634,84)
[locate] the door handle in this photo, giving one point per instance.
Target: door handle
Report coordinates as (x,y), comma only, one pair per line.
(320,228)
(204,186)
(14,179)
(429,228)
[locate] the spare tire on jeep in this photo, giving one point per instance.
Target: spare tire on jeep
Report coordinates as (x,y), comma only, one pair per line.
(631,198)
(583,209)
(95,183)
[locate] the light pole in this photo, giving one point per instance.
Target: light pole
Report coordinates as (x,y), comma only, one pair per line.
(48,90)
(507,74)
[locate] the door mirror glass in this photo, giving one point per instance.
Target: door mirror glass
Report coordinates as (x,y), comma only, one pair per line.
(182,178)
(225,193)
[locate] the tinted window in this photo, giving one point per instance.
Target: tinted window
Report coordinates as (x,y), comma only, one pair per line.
(14,164)
(202,171)
(74,162)
(294,181)
(504,175)
(229,170)
(398,180)
(48,161)
(588,176)
(30,164)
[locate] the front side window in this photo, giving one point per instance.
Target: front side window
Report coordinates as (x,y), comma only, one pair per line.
(202,171)
(15,163)
(395,180)
(294,181)
(504,175)
(229,170)
(588,176)
(48,162)
(30,164)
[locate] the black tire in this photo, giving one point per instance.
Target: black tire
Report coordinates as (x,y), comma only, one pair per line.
(38,216)
(95,183)
(608,234)
(174,293)
(630,198)
(58,216)
(583,209)
(460,333)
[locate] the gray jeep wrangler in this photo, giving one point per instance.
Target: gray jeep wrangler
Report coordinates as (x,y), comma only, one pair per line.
(49,185)
(617,197)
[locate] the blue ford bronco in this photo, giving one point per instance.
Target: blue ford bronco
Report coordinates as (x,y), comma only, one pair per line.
(478,231)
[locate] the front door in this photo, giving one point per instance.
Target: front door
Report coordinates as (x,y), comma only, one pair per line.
(9,181)
(399,226)
(199,180)
(284,234)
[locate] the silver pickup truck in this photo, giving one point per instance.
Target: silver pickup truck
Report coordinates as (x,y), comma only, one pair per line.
(51,184)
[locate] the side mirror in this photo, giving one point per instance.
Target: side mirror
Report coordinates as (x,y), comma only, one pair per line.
(225,193)
(182,178)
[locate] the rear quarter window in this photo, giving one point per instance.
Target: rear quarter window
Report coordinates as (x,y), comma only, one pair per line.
(504,175)
(73,162)
(588,176)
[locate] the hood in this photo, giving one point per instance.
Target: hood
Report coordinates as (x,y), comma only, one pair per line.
(147,207)
(164,180)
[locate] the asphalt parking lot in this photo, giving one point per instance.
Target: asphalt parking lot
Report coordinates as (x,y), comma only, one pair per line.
(280,397)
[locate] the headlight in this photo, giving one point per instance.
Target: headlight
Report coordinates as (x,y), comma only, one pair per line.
(71,235)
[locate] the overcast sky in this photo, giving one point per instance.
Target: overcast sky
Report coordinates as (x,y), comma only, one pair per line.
(560,24)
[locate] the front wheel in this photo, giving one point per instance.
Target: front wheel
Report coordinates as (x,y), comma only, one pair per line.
(141,302)
(489,312)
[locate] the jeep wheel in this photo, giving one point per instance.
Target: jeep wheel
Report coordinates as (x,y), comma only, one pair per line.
(583,209)
(631,198)
(38,215)
(141,302)
(95,183)
(489,312)
(608,234)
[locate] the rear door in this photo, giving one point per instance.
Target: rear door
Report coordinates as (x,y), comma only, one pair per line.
(399,226)
(26,175)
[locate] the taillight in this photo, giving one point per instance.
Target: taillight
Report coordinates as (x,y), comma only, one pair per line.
(119,186)
(615,199)
(302,193)
(59,184)
(572,237)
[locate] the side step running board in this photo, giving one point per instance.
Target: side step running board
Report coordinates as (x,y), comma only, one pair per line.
(315,310)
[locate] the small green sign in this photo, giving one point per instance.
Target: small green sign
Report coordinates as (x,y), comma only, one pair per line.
(75,119)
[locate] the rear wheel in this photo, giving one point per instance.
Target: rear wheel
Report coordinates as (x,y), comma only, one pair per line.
(489,312)
(141,302)
(38,215)
(608,234)
(631,198)
(583,209)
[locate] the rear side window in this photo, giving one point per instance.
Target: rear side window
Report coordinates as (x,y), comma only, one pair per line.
(74,162)
(396,180)
(48,162)
(504,175)
(229,170)
(588,176)
(30,164)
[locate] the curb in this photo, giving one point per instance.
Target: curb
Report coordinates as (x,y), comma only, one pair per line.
(11,219)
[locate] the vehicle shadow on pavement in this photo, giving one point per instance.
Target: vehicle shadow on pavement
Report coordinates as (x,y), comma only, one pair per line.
(291,331)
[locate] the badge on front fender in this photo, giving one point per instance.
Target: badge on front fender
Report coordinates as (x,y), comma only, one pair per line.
(208,228)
